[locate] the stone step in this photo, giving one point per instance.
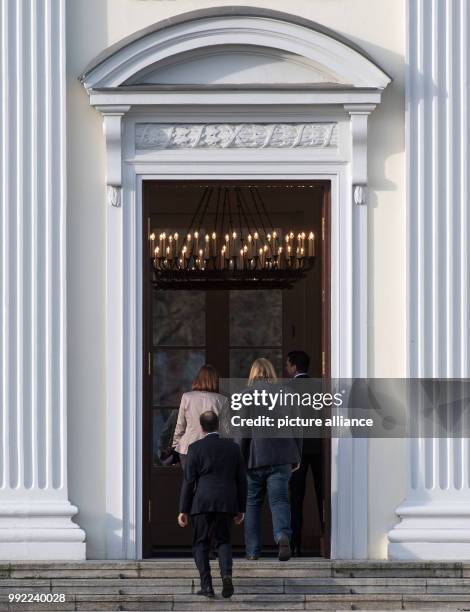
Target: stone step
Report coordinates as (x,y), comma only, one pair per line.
(250,602)
(261,568)
(267,584)
(305,585)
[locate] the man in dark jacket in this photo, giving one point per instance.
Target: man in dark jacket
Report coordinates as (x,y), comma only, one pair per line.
(214,494)
(297,367)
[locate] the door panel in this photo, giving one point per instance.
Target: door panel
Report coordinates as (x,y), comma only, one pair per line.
(229,329)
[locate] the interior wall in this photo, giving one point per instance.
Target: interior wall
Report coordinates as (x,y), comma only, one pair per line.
(379,28)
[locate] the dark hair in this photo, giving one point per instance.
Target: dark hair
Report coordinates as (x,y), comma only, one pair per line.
(206,379)
(300,359)
(209,421)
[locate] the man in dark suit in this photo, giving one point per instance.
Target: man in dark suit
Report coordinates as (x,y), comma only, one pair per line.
(214,495)
(297,367)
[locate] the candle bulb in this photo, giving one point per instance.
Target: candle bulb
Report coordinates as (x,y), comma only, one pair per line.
(279,257)
(214,244)
(152,246)
(311,244)
(176,236)
(265,254)
(196,238)
(261,257)
(206,246)
(222,257)
(250,245)
(242,260)
(170,241)
(163,243)
(201,260)
(183,255)
(256,237)
(156,253)
(233,250)
(274,241)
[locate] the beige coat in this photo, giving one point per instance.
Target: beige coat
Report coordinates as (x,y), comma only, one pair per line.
(193,404)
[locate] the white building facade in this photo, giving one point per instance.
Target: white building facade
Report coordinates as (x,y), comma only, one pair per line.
(79,80)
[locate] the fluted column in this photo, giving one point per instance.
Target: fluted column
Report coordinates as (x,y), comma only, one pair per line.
(35,514)
(435,516)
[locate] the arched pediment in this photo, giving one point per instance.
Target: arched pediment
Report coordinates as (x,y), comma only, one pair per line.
(234,46)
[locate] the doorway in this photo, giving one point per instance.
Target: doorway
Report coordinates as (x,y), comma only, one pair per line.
(229,328)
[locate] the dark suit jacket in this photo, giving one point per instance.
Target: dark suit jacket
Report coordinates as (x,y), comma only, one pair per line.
(214,477)
(261,452)
(311,446)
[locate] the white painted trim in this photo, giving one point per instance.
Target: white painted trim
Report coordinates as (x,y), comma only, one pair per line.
(124,322)
(337,60)
(345,166)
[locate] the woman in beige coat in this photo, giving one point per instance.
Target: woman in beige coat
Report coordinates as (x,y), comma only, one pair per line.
(204,396)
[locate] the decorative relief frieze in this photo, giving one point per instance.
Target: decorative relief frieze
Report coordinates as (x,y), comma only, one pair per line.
(157,136)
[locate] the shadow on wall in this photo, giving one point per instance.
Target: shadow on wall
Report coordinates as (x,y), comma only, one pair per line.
(86,36)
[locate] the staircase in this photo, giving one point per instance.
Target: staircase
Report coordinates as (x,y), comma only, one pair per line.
(305,584)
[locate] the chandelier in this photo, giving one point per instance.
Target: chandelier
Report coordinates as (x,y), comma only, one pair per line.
(230,243)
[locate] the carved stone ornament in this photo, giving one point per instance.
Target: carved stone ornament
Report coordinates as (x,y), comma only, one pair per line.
(114,195)
(157,136)
(360,194)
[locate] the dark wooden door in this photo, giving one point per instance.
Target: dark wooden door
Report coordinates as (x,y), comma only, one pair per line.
(229,329)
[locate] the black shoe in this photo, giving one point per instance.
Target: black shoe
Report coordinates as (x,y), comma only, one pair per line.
(252,557)
(284,548)
(206,592)
(227,586)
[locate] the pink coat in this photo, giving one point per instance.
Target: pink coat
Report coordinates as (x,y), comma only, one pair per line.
(193,404)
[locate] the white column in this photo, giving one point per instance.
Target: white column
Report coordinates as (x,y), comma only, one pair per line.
(435,516)
(35,514)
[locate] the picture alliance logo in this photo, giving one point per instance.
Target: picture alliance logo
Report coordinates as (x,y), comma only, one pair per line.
(270,400)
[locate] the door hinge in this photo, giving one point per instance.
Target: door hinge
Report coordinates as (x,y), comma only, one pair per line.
(149,364)
(150,510)
(323,363)
(323,228)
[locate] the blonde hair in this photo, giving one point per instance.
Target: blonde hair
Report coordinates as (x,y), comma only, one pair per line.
(206,379)
(262,369)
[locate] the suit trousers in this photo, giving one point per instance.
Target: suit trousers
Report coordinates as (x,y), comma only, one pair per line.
(205,526)
(297,492)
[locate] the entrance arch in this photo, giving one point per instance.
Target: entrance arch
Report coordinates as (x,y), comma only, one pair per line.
(229,94)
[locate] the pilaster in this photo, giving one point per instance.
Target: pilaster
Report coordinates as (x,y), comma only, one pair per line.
(35,514)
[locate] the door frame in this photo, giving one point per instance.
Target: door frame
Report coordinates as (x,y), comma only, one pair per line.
(349,457)
(147,372)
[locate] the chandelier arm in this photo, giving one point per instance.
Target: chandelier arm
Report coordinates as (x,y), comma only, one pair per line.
(243,211)
(206,206)
(268,218)
(270,223)
(259,213)
(253,220)
(239,219)
(217,205)
(190,227)
(230,219)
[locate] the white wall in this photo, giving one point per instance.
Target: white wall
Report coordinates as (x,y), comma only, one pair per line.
(379,28)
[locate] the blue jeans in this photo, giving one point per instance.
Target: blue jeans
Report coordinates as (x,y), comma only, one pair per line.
(275,480)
